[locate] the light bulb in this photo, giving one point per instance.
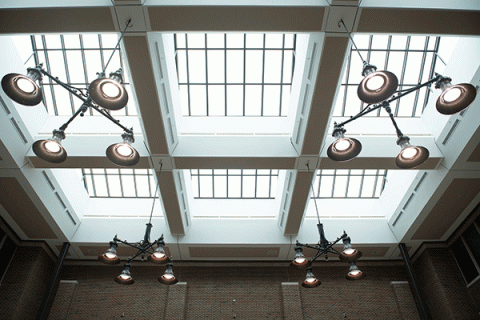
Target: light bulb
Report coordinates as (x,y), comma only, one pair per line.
(25,85)
(375,83)
(409,153)
(300,260)
(354,272)
(310,280)
(52,146)
(125,276)
(110,90)
(168,276)
(158,255)
(124,150)
(110,255)
(349,251)
(342,145)
(452,94)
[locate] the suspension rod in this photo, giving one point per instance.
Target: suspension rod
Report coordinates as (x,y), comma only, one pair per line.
(82,108)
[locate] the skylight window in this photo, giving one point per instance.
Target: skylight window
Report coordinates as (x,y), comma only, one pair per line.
(75,59)
(411,58)
(119,183)
(234,184)
(235,74)
(352,184)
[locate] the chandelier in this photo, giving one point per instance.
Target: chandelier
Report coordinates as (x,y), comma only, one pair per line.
(324,247)
(378,89)
(144,247)
(102,95)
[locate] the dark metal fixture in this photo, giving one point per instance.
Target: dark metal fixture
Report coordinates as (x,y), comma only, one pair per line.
(324,247)
(144,247)
(102,95)
(378,89)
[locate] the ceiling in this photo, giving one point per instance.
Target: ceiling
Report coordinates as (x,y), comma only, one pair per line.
(40,202)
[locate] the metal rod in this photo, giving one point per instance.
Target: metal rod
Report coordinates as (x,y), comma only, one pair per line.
(387,108)
(118,43)
(64,85)
(82,109)
(52,284)
(350,36)
(313,192)
(419,301)
(109,117)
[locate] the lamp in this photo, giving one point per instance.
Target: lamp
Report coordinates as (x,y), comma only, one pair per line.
(354,273)
(23,89)
(144,247)
(324,247)
(103,94)
(378,89)
(123,153)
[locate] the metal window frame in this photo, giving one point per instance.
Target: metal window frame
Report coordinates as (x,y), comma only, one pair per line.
(48,83)
(346,85)
(272,173)
(320,174)
(282,84)
(87,172)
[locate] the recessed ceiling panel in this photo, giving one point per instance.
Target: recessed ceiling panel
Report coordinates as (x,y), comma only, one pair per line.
(238,252)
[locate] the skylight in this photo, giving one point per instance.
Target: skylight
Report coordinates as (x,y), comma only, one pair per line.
(75,59)
(234,184)
(411,58)
(352,184)
(235,74)
(119,183)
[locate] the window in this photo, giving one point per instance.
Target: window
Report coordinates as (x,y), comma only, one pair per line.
(352,184)
(235,74)
(411,58)
(75,59)
(7,250)
(119,183)
(466,251)
(234,184)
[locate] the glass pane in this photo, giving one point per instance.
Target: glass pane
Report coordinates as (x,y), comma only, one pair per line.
(472,238)
(464,260)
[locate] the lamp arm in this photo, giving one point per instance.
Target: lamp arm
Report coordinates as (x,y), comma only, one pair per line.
(387,108)
(359,115)
(429,82)
(306,245)
(109,117)
(67,87)
(81,111)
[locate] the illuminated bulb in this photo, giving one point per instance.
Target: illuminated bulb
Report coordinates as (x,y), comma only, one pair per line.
(342,145)
(52,146)
(110,255)
(168,276)
(124,150)
(25,85)
(452,94)
(349,251)
(159,255)
(110,90)
(300,260)
(310,280)
(409,153)
(375,83)
(354,272)
(125,276)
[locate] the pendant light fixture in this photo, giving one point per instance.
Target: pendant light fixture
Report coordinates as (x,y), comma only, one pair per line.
(324,247)
(144,247)
(103,94)
(378,89)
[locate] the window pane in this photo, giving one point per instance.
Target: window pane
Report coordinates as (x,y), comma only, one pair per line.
(464,261)
(472,238)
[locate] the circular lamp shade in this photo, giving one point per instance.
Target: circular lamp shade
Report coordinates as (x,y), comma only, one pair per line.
(108,93)
(311,282)
(124,278)
(455,98)
(355,274)
(158,258)
(22,89)
(167,279)
(300,264)
(109,258)
(123,154)
(348,257)
(411,157)
(50,150)
(344,149)
(377,87)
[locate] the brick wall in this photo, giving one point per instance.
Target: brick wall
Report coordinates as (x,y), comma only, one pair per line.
(229,292)
(442,285)
(24,284)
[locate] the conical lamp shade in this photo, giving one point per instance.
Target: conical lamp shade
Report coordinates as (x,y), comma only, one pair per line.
(377,87)
(344,149)
(108,93)
(50,150)
(22,89)
(123,154)
(411,157)
(455,98)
